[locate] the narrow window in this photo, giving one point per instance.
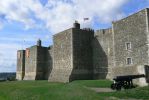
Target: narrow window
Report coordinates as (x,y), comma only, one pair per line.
(129,61)
(128,46)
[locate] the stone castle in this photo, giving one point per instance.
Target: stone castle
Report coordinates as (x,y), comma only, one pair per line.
(80,54)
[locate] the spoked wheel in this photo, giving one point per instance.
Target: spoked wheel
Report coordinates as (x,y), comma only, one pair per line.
(113,86)
(118,87)
(126,85)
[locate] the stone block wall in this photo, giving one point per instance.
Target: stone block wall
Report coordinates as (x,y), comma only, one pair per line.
(72,55)
(30,63)
(49,62)
(133,30)
(41,68)
(36,63)
(82,54)
(20,64)
(62,57)
(103,56)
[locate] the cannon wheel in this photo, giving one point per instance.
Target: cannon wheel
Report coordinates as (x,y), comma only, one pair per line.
(118,87)
(113,86)
(126,85)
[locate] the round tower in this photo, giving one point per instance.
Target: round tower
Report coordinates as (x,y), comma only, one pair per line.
(38,42)
(76,25)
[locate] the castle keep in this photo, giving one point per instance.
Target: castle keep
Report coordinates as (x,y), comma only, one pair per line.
(84,54)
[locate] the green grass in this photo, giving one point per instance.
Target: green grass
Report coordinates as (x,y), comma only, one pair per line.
(76,90)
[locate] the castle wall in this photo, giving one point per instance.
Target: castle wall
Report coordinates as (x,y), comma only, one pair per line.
(20,64)
(72,55)
(36,63)
(103,53)
(30,63)
(133,30)
(62,57)
(147,30)
(42,67)
(49,62)
(82,54)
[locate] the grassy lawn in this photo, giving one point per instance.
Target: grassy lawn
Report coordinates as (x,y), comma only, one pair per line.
(76,90)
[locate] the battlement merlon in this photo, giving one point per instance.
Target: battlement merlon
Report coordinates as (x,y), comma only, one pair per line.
(88,30)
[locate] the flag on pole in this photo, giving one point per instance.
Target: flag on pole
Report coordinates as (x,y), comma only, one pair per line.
(86,19)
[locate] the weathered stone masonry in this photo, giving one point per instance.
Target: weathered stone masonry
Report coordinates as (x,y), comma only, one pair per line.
(20,64)
(85,54)
(72,55)
(103,53)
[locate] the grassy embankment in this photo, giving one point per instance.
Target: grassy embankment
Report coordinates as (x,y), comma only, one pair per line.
(77,90)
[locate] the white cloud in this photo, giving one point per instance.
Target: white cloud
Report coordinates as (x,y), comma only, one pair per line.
(58,15)
(8,57)
(17,10)
(62,14)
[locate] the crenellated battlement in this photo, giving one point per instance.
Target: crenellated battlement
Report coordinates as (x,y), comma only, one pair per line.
(88,29)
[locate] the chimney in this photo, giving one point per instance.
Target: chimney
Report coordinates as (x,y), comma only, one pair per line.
(76,25)
(39,42)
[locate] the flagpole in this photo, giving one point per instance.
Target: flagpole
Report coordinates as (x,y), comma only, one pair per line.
(86,19)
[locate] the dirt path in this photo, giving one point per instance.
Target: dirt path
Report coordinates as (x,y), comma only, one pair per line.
(101,89)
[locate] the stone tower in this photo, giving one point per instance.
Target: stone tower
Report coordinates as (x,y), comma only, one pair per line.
(36,62)
(20,64)
(131,49)
(72,55)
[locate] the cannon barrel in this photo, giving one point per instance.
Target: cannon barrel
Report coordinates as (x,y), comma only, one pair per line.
(124,81)
(128,77)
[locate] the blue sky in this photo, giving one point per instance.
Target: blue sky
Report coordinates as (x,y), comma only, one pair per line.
(23,22)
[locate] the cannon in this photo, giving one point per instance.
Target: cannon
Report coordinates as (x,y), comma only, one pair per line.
(124,81)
